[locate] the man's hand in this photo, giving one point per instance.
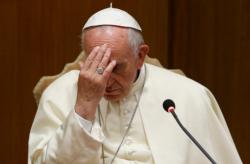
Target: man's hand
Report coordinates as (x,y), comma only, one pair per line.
(91,85)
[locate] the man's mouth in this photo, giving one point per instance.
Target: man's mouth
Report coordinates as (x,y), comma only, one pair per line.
(112,91)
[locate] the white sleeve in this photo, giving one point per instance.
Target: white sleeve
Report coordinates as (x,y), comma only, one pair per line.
(57,137)
(85,124)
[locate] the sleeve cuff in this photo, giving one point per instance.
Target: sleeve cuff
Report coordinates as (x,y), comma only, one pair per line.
(85,124)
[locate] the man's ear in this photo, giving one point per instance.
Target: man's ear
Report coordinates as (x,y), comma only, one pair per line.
(143,51)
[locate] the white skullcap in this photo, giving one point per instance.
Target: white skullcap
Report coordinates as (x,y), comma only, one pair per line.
(114,17)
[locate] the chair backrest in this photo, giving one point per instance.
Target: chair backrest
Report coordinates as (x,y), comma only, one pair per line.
(45,81)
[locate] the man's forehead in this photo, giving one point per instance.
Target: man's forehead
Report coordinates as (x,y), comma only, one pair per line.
(120,55)
(115,48)
(115,38)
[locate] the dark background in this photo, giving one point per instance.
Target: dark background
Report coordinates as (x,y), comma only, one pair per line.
(208,39)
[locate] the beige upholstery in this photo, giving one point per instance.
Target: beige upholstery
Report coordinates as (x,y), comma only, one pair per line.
(45,81)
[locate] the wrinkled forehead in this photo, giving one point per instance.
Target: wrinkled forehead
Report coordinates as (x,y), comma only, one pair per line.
(115,37)
(100,32)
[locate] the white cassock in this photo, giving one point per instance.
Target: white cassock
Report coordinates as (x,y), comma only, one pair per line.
(59,135)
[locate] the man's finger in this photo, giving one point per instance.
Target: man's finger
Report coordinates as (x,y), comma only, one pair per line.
(107,72)
(105,59)
(81,64)
(98,58)
(91,57)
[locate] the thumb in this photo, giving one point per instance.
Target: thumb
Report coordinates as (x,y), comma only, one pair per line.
(81,64)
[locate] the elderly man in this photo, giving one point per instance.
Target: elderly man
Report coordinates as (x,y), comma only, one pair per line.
(111,110)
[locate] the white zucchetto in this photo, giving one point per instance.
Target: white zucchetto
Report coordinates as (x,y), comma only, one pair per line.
(114,17)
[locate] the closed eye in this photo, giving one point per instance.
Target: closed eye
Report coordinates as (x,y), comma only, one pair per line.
(120,67)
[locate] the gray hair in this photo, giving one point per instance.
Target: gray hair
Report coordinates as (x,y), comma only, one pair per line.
(135,39)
